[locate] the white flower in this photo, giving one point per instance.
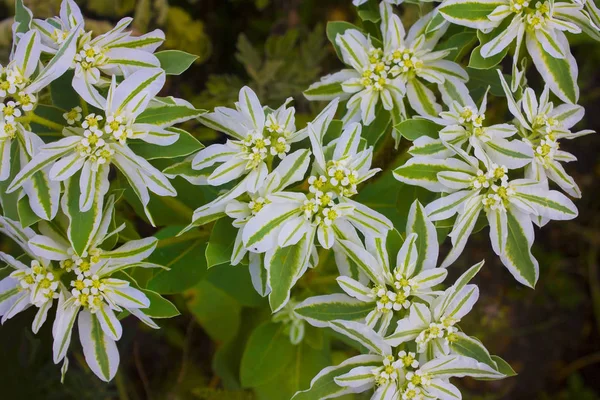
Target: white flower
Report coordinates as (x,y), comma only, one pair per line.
(391,288)
(544,125)
(510,206)
(386,74)
(256,140)
(398,375)
(115,52)
(91,151)
(464,129)
(73,116)
(541,24)
(35,285)
(327,207)
(20,80)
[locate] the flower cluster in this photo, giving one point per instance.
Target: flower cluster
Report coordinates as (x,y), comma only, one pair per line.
(396,70)
(271,218)
(90,285)
(66,224)
(415,359)
(292,196)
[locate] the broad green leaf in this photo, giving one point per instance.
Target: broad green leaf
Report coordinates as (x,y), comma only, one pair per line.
(215,310)
(323,385)
(82,225)
(283,268)
(517,255)
(23,17)
(459,44)
(235,281)
(473,348)
(297,374)
(26,214)
(63,94)
(186,144)
(159,306)
(414,128)
(175,62)
(322,309)
(220,244)
(335,28)
(559,74)
(472,13)
(334,130)
(268,350)
(427,244)
(369,11)
(168,115)
(183,255)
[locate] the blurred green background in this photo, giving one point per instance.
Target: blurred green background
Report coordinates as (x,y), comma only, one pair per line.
(551,336)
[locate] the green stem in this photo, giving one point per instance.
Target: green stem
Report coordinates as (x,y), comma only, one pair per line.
(196,234)
(36,119)
(121,388)
(84,106)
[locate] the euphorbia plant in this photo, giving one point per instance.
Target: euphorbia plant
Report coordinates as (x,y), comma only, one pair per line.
(301,210)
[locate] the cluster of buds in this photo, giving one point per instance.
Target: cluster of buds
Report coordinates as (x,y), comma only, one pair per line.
(376,75)
(39,281)
(88,291)
(445,330)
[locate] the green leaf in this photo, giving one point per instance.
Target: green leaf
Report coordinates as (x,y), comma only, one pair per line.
(267,351)
(159,306)
(9,201)
(375,131)
(472,347)
(168,115)
(283,267)
(220,244)
(334,130)
(23,17)
(459,44)
(331,307)
(469,12)
(517,255)
(414,128)
(186,144)
(82,225)
(335,28)
(559,74)
(304,365)
(215,310)
(26,214)
(480,80)
(323,385)
(183,255)
(369,11)
(477,61)
(175,62)
(504,367)
(236,282)
(62,92)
